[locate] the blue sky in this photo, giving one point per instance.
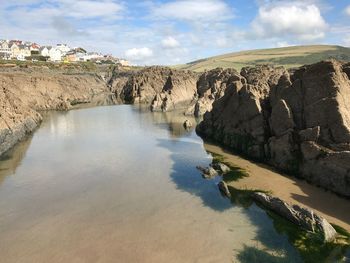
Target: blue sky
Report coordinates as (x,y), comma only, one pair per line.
(172,32)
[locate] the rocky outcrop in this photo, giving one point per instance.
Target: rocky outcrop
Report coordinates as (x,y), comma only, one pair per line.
(211,86)
(297,121)
(22,94)
(166,89)
(207,172)
(301,216)
(162,88)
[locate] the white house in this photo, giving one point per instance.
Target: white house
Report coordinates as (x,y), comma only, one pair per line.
(45,51)
(91,56)
(64,48)
(55,54)
(124,62)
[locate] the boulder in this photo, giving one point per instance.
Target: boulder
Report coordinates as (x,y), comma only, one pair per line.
(301,216)
(222,168)
(187,124)
(224,189)
(207,172)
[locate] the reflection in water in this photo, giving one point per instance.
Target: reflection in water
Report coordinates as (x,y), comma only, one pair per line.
(12,159)
(119,184)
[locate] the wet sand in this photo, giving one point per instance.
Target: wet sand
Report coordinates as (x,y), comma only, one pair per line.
(293,190)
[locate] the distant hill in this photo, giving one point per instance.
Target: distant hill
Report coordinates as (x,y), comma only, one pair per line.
(289,57)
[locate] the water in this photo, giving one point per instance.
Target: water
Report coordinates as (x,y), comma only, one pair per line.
(118,184)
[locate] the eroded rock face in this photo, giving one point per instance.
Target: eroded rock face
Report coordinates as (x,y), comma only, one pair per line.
(165,89)
(22,94)
(300,216)
(162,88)
(297,121)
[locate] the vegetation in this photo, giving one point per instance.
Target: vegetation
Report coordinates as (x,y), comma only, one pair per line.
(288,57)
(310,246)
(236,172)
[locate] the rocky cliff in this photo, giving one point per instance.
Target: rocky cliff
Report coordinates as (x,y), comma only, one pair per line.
(166,89)
(161,88)
(24,93)
(297,121)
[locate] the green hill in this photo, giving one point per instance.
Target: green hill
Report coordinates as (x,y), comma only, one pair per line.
(289,57)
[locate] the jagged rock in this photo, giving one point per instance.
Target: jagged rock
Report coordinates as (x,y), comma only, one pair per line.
(222,168)
(207,172)
(202,106)
(268,113)
(162,88)
(310,134)
(281,118)
(300,216)
(187,124)
(224,189)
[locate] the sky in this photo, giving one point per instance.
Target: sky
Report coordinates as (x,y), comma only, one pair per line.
(176,31)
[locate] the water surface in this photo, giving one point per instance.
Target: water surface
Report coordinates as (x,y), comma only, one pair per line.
(118,184)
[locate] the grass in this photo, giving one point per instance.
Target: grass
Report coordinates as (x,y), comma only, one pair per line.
(288,57)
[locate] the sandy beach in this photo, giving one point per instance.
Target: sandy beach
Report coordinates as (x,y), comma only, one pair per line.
(291,189)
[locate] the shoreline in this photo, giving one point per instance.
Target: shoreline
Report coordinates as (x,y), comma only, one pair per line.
(290,189)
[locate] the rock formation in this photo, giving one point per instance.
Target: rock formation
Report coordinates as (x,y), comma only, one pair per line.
(224,189)
(297,121)
(165,89)
(211,86)
(300,216)
(161,88)
(22,94)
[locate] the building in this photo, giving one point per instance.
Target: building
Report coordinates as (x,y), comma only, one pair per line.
(64,48)
(124,62)
(55,54)
(5,50)
(45,51)
(14,50)
(24,51)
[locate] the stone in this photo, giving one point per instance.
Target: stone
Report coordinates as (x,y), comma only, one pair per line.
(281,118)
(310,134)
(224,189)
(187,124)
(301,216)
(207,172)
(222,168)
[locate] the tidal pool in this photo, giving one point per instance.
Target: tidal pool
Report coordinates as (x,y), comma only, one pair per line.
(120,184)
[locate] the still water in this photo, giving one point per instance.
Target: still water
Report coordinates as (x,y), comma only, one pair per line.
(119,184)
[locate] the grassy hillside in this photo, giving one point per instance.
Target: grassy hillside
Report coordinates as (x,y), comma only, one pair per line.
(289,57)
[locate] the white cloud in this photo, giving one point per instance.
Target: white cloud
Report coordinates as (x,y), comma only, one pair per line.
(90,9)
(139,54)
(347,10)
(193,10)
(282,44)
(303,21)
(170,42)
